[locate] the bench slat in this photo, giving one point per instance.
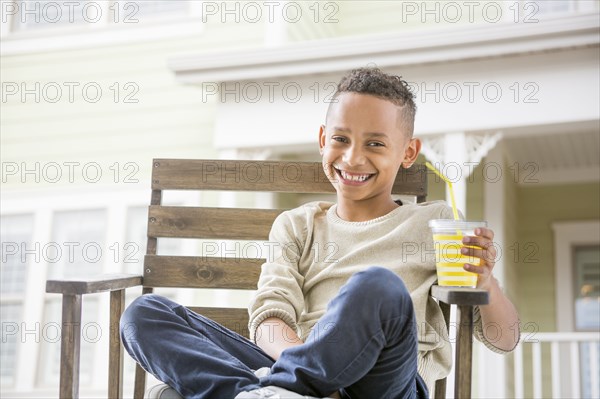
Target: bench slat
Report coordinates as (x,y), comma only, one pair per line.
(220,223)
(201,272)
(268,176)
(239,175)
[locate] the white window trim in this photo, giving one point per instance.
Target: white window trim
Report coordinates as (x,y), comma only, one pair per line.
(566,236)
(35,298)
(101,33)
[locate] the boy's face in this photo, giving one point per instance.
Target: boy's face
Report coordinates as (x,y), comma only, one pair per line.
(363,146)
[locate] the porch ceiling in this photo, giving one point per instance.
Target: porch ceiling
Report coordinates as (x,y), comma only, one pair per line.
(557,158)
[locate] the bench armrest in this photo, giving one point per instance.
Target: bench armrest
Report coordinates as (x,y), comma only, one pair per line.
(464,299)
(460,295)
(70,346)
(91,285)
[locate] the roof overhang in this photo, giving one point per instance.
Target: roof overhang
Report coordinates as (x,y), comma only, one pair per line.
(411,48)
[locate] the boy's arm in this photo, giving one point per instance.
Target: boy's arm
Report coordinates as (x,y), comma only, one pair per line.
(279,291)
(499,317)
(273,335)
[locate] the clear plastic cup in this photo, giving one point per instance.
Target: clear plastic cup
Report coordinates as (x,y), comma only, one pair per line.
(447,239)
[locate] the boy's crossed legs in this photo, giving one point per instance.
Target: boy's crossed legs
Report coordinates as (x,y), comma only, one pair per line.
(365,342)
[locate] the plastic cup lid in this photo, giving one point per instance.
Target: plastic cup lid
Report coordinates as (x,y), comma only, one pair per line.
(456,224)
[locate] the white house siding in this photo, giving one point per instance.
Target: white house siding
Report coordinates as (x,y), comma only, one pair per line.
(168,120)
(315,21)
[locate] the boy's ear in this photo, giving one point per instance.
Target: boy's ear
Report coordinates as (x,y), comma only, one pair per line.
(322,137)
(411,153)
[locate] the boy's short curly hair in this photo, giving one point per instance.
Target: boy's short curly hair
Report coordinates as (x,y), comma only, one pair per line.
(387,87)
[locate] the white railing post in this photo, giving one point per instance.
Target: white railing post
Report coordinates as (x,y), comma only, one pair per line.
(536,354)
(575,392)
(519,391)
(555,359)
(574,341)
(594,369)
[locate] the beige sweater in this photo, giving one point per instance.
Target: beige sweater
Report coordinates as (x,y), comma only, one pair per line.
(315,253)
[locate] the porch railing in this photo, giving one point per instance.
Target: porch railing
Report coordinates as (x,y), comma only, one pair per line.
(571,354)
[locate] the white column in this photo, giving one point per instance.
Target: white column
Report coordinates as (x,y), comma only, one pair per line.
(491,375)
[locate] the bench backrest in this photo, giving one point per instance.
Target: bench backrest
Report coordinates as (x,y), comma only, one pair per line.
(231,223)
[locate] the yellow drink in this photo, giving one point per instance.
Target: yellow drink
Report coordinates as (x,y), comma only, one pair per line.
(447,240)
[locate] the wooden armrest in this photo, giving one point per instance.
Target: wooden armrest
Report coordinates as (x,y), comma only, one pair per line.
(70,346)
(464,299)
(91,285)
(460,295)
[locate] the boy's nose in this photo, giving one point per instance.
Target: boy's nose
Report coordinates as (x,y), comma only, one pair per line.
(353,157)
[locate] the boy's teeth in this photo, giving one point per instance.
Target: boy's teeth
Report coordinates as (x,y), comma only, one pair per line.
(354,177)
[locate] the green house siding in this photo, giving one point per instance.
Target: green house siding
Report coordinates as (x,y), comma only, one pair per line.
(475,195)
(537,209)
(141,113)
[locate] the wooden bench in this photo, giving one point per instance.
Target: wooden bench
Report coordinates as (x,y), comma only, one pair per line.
(217,272)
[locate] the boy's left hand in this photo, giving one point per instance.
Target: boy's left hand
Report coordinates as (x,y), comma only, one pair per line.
(486,251)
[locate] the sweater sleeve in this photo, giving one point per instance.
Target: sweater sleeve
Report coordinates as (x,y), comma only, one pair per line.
(279,292)
(489,343)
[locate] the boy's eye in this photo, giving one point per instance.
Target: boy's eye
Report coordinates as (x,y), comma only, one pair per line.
(339,139)
(375,144)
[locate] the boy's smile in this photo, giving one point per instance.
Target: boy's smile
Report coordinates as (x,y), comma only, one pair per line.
(363,146)
(347,177)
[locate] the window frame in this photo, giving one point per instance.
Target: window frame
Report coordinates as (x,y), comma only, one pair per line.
(116,203)
(568,235)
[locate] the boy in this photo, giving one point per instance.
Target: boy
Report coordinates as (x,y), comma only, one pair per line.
(358,323)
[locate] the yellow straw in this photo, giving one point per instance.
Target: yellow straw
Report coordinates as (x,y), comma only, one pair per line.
(437,172)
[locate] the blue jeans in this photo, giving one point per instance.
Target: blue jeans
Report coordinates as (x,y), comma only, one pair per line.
(364,345)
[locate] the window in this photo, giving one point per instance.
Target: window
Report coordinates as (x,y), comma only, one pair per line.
(160,7)
(574,254)
(47,14)
(10,317)
(43,15)
(587,305)
(46,25)
(17,236)
(577,257)
(68,236)
(134,248)
(587,288)
(77,249)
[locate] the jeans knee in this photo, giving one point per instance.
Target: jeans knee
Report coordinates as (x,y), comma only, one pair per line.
(381,283)
(137,314)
